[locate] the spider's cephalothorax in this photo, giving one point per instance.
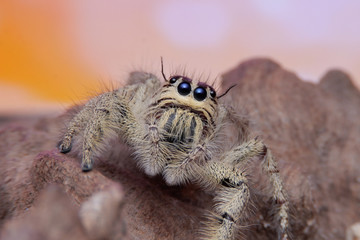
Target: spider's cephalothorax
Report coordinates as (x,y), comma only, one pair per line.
(175,130)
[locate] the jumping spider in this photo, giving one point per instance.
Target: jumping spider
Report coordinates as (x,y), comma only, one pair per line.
(174,130)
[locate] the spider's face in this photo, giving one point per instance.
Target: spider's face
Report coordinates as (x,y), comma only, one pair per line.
(184,92)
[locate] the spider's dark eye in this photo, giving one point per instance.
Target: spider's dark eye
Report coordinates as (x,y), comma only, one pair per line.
(184,88)
(200,93)
(173,80)
(212,93)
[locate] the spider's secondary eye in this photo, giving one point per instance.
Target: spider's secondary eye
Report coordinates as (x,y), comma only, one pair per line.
(184,88)
(212,93)
(200,93)
(173,79)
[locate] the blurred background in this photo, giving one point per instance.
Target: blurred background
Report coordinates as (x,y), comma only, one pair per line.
(56,53)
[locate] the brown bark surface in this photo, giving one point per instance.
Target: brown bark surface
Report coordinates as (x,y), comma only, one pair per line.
(313,130)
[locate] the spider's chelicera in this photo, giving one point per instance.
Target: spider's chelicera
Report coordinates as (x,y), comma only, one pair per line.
(175,129)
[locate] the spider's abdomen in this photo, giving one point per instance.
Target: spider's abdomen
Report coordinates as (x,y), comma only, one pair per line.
(181,126)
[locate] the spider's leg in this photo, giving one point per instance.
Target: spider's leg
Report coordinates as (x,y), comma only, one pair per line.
(233,195)
(73,128)
(253,148)
(232,198)
(108,114)
(279,194)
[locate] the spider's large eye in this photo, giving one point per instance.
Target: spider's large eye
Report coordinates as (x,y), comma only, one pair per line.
(173,79)
(212,93)
(184,88)
(200,93)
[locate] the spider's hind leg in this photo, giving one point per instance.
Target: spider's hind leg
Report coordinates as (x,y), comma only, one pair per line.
(279,194)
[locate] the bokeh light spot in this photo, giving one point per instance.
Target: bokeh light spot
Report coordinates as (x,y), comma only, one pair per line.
(193,23)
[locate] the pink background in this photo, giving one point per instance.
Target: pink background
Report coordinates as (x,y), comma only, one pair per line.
(54,53)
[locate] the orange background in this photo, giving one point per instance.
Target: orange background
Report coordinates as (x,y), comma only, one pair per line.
(54,53)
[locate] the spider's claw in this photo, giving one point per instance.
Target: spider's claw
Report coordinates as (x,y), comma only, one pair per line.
(86,167)
(64,148)
(87,163)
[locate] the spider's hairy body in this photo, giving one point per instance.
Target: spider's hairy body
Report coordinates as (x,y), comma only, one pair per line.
(175,130)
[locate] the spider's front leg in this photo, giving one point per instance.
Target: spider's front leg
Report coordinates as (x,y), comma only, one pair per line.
(103,116)
(100,118)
